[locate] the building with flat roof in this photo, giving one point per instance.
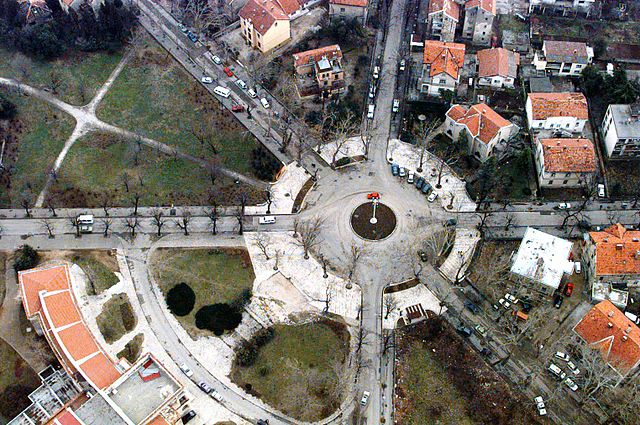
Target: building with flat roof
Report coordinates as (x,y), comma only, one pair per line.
(478,21)
(621,131)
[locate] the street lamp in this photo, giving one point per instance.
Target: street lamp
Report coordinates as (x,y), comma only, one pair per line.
(373,219)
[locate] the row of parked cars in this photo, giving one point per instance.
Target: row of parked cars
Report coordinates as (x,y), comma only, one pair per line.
(412,178)
(560,374)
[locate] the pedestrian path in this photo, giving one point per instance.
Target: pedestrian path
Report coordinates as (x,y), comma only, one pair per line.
(455,266)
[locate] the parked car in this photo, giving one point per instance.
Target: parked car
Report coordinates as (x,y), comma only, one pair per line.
(480,330)
(187,417)
(558,300)
(267,219)
(432,197)
(206,80)
(186,370)
(562,356)
(577,266)
(365,398)
(216,395)
(573,368)
(572,385)
(376,72)
(265,103)
(402,172)
(192,36)
(568,290)
(228,71)
(472,307)
(396,106)
(241,84)
(564,206)
(601,192)
(252,94)
(395,169)
(217,60)
(556,371)
(370,111)
(411,177)
(511,298)
(504,303)
(426,188)
(182,28)
(542,409)
(204,387)
(403,65)
(634,318)
(372,91)
(420,182)
(463,330)
(237,108)
(373,195)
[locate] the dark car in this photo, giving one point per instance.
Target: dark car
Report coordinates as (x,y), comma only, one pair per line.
(395,169)
(420,182)
(204,387)
(426,188)
(526,306)
(192,36)
(472,307)
(557,301)
(188,416)
(451,222)
(464,331)
(263,422)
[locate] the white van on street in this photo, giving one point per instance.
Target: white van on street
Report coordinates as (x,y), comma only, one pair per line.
(267,219)
(222,91)
(265,103)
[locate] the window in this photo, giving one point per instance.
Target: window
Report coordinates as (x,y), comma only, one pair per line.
(567,125)
(442,81)
(550,181)
(342,9)
(539,124)
(565,181)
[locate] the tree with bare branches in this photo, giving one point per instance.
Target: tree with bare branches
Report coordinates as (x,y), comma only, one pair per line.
(424,135)
(47,225)
(73,222)
(354,256)
(157,217)
(106,223)
(213,216)
(263,241)
(341,131)
(390,304)
(239,215)
(132,224)
(310,234)
(183,222)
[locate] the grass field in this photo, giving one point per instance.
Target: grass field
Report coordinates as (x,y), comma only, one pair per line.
(17,380)
(116,318)
(216,276)
(132,349)
(34,140)
(155,96)
(77,75)
(298,371)
(99,267)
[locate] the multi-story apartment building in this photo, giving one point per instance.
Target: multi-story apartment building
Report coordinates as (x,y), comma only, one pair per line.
(442,19)
(349,9)
(559,112)
(564,163)
(621,131)
(478,21)
(324,65)
(563,58)
(441,67)
(264,24)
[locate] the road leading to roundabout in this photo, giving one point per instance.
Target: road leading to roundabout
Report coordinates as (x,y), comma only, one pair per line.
(370,225)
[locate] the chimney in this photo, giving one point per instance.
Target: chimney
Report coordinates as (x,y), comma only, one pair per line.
(624,338)
(637,255)
(628,330)
(610,325)
(618,247)
(610,314)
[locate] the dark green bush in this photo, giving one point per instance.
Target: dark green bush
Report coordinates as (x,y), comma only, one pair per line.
(25,258)
(128,318)
(7,108)
(181,299)
(218,318)
(343,161)
(264,164)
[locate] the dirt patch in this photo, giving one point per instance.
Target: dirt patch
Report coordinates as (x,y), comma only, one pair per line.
(383,227)
(478,394)
(297,204)
(402,286)
(132,349)
(116,318)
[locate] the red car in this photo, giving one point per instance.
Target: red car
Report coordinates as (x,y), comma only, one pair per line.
(373,195)
(237,108)
(228,71)
(568,290)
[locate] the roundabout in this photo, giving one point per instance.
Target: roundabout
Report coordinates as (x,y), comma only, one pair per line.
(373,221)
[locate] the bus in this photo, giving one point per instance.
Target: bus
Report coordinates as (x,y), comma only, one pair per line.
(85,223)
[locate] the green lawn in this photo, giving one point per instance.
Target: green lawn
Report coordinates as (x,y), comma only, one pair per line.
(299,370)
(77,74)
(34,140)
(156,97)
(99,270)
(116,318)
(216,276)
(17,380)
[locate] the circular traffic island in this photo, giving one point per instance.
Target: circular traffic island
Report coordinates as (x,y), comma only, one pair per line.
(370,227)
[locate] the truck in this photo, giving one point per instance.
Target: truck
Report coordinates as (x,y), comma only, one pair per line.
(85,223)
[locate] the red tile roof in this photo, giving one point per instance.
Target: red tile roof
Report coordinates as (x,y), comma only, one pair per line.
(481,121)
(568,155)
(36,280)
(565,51)
(606,328)
(359,3)
(498,62)
(313,56)
(449,7)
(262,14)
(66,417)
(545,105)
(617,251)
(443,57)
(289,6)
(488,5)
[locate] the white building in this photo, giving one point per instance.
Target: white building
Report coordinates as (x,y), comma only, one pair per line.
(441,67)
(348,9)
(442,19)
(497,68)
(478,21)
(563,58)
(564,162)
(483,127)
(542,260)
(621,131)
(561,112)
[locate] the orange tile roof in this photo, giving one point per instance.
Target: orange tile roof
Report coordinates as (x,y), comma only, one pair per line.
(61,308)
(289,6)
(449,7)
(77,341)
(44,279)
(568,155)
(314,55)
(617,251)
(498,61)
(443,57)
(545,105)
(262,14)
(488,5)
(481,121)
(158,420)
(358,3)
(66,417)
(100,370)
(606,328)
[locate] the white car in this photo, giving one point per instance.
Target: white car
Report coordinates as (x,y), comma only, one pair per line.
(511,298)
(217,60)
(601,192)
(432,197)
(216,395)
(564,206)
(402,172)
(410,177)
(559,373)
(542,409)
(573,368)
(365,398)
(252,94)
(569,383)
(370,110)
(562,356)
(504,303)
(396,106)
(376,72)
(372,91)
(403,64)
(207,80)
(241,84)
(265,103)
(185,369)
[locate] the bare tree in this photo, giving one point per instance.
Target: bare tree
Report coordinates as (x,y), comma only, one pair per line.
(483,216)
(183,222)
(203,16)
(268,198)
(388,341)
(213,218)
(438,242)
(106,222)
(596,375)
(624,401)
(263,241)
(124,178)
(239,215)
(296,226)
(341,131)
(509,220)
(105,202)
(26,204)
(354,257)
(390,303)
(48,227)
(132,224)
(157,217)
(426,129)
(277,254)
(310,234)
(243,198)
(73,221)
(324,263)
(50,202)
(55,81)
(136,202)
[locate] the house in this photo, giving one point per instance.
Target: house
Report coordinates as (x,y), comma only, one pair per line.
(564,6)
(349,9)
(621,131)
(608,330)
(441,67)
(562,112)
(563,58)
(442,19)
(612,263)
(478,21)
(483,127)
(121,393)
(541,262)
(264,24)
(497,67)
(564,163)
(324,65)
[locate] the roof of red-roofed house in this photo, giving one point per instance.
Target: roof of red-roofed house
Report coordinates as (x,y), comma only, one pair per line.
(568,155)
(358,3)
(488,5)
(481,121)
(262,14)
(449,7)
(617,251)
(444,57)
(568,104)
(498,62)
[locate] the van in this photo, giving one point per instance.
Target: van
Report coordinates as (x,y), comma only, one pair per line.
(85,223)
(252,94)
(370,111)
(376,72)
(222,91)
(267,219)
(556,371)
(396,106)
(265,103)
(241,84)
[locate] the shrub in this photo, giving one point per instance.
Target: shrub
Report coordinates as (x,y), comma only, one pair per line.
(128,318)
(218,318)
(7,108)
(26,258)
(181,299)
(132,349)
(343,161)
(264,164)
(247,353)
(13,399)
(241,302)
